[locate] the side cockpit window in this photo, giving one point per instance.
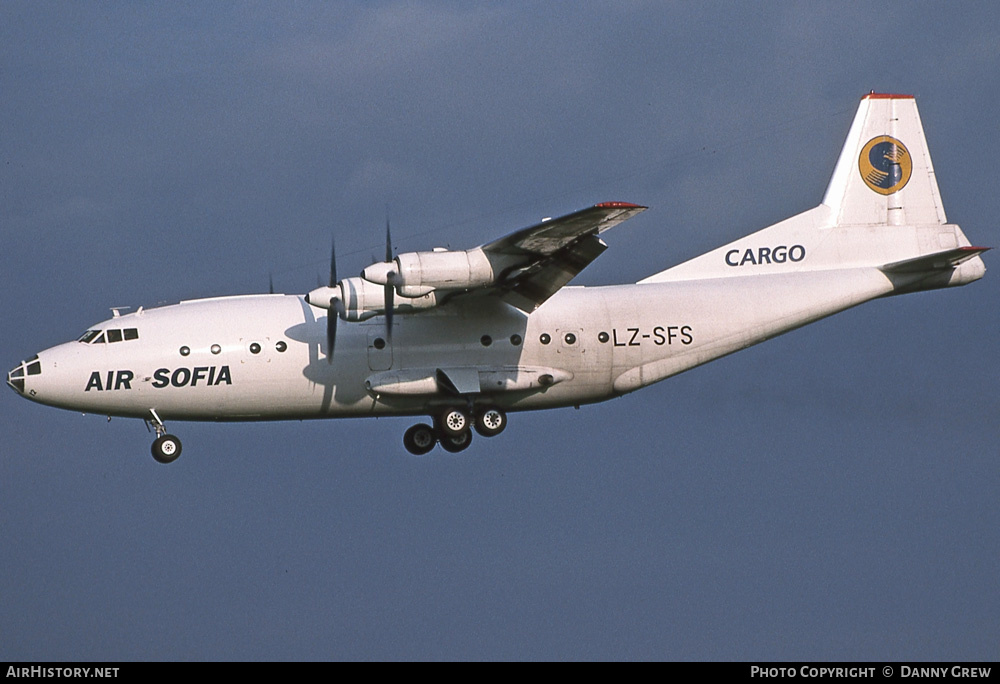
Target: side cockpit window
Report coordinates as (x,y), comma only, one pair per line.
(108,336)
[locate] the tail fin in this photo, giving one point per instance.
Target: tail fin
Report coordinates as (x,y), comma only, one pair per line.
(882,209)
(879,178)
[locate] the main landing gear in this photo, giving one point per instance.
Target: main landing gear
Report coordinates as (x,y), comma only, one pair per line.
(166,448)
(453,430)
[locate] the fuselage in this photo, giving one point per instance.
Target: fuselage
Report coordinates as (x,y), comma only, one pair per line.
(475,334)
(264,357)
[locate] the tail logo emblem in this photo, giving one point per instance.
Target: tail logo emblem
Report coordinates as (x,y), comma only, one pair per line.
(885,164)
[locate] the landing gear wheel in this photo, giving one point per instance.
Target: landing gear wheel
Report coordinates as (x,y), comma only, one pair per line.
(166,449)
(454,422)
(490,422)
(456,443)
(419,439)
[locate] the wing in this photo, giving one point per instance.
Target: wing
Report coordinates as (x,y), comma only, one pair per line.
(524,268)
(536,261)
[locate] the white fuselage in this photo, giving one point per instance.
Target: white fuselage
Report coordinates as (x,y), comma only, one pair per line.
(596,343)
(464,351)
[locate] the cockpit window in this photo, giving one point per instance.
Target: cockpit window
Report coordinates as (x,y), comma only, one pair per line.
(105,336)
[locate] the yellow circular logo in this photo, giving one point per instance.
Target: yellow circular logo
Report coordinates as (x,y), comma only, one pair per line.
(885,164)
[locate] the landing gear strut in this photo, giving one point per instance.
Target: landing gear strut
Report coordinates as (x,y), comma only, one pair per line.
(166,448)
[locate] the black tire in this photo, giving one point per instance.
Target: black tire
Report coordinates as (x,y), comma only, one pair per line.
(455,443)
(419,439)
(166,449)
(453,422)
(490,422)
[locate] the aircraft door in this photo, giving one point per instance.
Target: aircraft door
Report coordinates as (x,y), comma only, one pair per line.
(379,349)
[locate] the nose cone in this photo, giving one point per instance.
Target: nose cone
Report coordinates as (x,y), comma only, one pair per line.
(380,272)
(322,296)
(20,375)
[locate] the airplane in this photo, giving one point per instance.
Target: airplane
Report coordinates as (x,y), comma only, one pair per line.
(467,337)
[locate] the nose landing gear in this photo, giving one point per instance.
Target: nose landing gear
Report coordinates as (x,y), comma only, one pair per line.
(166,448)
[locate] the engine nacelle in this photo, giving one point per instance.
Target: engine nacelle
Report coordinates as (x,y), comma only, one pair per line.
(363,299)
(418,273)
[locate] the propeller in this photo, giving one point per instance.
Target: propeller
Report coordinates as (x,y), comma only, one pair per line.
(390,286)
(336,309)
(385,273)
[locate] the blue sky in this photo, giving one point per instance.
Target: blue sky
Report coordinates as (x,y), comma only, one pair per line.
(828,495)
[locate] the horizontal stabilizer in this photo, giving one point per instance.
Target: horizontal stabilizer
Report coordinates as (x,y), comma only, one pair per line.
(939,261)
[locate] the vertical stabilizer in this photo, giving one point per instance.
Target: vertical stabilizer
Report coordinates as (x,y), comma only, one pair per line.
(884,174)
(882,209)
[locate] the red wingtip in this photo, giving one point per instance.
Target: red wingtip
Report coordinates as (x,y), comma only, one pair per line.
(886,96)
(619,205)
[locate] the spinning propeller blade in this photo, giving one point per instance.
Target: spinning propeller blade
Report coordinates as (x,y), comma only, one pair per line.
(336,306)
(390,288)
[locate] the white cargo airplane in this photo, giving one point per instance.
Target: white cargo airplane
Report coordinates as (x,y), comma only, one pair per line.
(467,337)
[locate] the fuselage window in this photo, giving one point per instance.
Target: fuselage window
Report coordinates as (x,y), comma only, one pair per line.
(114,336)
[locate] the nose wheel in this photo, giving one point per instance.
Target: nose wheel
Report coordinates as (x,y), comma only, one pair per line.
(166,448)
